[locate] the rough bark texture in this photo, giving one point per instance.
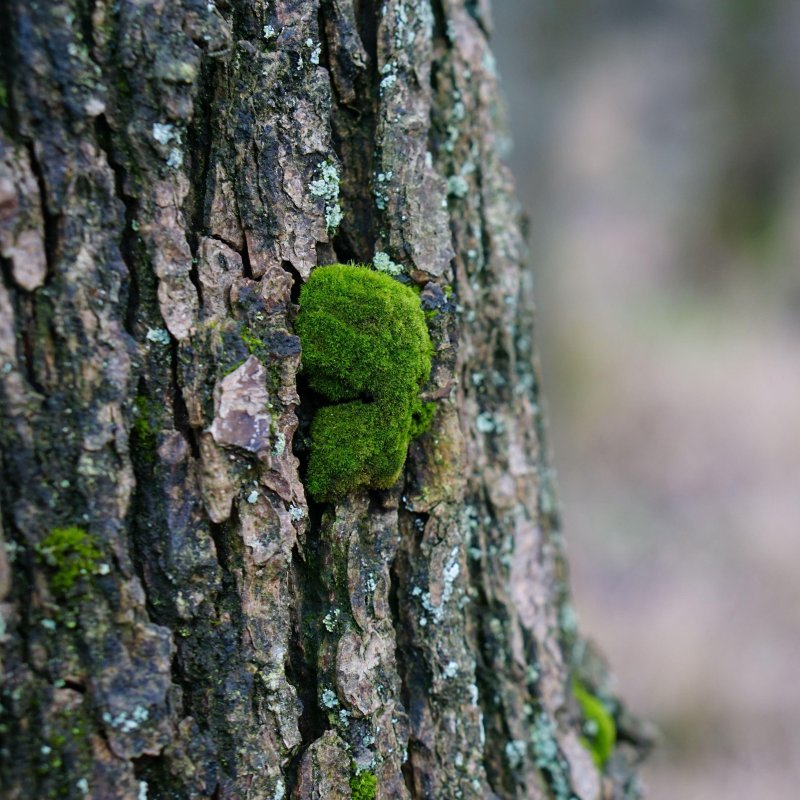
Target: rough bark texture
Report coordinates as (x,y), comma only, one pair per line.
(170,172)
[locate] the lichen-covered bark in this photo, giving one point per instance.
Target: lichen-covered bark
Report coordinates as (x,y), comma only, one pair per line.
(170,173)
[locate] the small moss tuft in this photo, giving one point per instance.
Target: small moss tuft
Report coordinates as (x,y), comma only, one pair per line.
(422,416)
(364,786)
(366,349)
(145,438)
(71,554)
(598,725)
(253,344)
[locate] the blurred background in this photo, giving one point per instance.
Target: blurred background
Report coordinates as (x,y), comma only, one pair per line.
(657,153)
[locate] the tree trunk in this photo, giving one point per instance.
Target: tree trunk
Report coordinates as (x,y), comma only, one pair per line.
(181,620)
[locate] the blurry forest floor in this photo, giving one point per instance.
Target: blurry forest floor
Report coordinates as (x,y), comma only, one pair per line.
(658,156)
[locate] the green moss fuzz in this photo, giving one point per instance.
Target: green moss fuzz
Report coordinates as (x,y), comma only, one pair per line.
(598,725)
(71,554)
(364,786)
(421,417)
(366,349)
(253,344)
(144,430)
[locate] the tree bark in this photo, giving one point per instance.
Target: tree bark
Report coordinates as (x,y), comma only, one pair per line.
(180,620)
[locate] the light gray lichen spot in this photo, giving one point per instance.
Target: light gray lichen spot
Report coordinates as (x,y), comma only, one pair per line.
(451,571)
(127,722)
(329,699)
(457,186)
(547,757)
(569,618)
(382,262)
(488,423)
(327,187)
(175,158)
(280,444)
(330,620)
(515,752)
(158,335)
(164,133)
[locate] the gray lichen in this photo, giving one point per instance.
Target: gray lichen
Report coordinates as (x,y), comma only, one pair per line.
(326,186)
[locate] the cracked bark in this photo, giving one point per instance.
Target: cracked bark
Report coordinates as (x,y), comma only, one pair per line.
(157,218)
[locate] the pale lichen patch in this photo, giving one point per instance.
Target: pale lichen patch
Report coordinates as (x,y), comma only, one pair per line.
(327,187)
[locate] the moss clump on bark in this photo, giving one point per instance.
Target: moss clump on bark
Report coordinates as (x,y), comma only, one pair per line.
(598,725)
(366,349)
(364,786)
(145,438)
(71,554)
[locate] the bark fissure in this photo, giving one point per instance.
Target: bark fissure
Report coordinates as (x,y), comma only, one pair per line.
(50,219)
(403,657)
(354,83)
(302,663)
(104,136)
(200,139)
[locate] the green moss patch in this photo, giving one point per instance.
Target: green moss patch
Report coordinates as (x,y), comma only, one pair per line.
(600,732)
(364,786)
(144,428)
(365,349)
(71,554)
